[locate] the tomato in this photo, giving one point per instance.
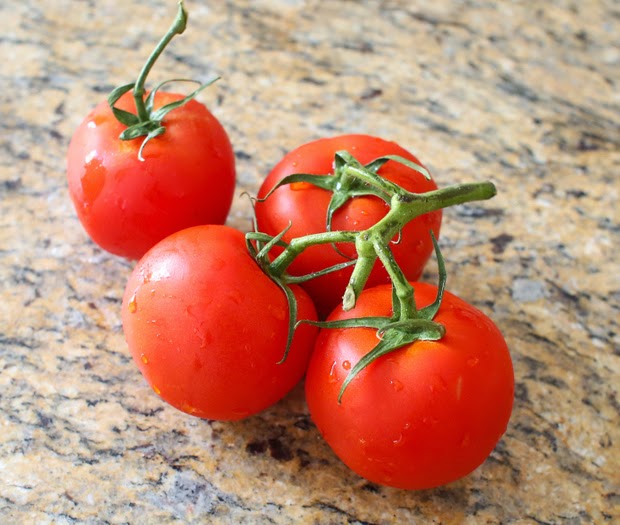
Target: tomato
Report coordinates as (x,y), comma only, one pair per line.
(420,416)
(187,177)
(306,207)
(207,327)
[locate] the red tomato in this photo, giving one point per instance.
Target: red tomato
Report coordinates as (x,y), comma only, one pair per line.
(306,207)
(186,179)
(207,327)
(423,415)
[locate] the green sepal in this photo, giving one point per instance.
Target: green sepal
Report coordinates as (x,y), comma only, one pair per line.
(138,130)
(292,316)
(422,329)
(266,243)
(261,238)
(150,99)
(429,312)
(264,251)
(124,117)
(296,279)
(354,322)
(160,113)
(395,336)
(118,92)
(151,135)
(344,190)
(377,163)
(325,182)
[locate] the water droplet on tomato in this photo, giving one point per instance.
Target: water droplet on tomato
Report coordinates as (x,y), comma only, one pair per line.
(396,385)
(189,409)
(466,315)
(459,388)
(144,359)
(437,384)
(132,306)
(157,390)
(332,373)
(346,365)
(398,440)
(96,121)
(93,178)
(472,361)
(278,313)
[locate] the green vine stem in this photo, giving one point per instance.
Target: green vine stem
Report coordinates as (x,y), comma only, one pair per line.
(406,206)
(407,323)
(178,27)
(147,122)
(373,243)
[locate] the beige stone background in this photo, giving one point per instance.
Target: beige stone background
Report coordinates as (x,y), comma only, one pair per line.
(521,93)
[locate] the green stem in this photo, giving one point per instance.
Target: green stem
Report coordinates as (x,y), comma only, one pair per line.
(443,198)
(177,27)
(299,244)
(385,186)
(374,242)
(405,207)
(402,288)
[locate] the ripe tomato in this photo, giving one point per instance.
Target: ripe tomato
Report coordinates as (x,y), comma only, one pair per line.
(306,207)
(423,415)
(207,327)
(126,205)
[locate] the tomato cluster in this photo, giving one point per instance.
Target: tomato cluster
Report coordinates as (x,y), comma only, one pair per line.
(410,393)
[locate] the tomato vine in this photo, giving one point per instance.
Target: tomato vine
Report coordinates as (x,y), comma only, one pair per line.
(353,179)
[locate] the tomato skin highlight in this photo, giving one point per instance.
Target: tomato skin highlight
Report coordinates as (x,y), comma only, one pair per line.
(207,327)
(306,207)
(125,205)
(421,416)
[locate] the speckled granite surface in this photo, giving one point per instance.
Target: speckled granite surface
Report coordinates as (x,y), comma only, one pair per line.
(525,94)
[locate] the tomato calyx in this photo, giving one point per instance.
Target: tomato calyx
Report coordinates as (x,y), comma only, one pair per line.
(147,122)
(405,326)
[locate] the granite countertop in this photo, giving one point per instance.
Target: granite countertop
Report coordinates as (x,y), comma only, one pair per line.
(523,94)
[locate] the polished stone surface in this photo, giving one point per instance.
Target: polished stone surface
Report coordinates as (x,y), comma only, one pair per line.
(521,93)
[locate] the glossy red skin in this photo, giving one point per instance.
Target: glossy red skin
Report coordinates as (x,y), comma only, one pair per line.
(306,207)
(125,205)
(207,327)
(423,415)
